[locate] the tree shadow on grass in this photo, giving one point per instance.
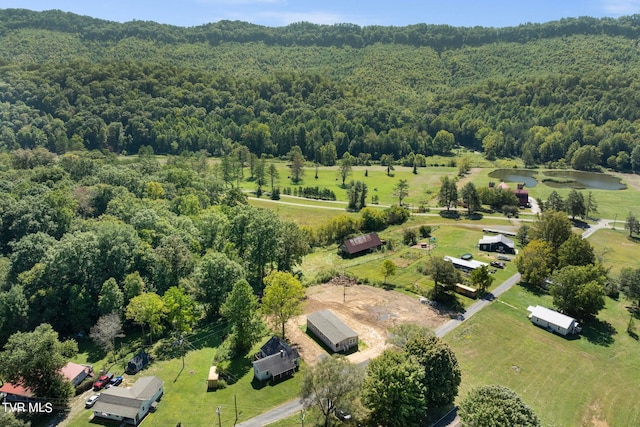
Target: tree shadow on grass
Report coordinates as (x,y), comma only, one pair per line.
(599,332)
(532,289)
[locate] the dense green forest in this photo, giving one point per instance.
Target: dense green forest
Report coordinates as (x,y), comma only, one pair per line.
(561,93)
(75,218)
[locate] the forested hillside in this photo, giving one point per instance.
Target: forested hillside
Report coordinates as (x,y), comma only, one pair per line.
(559,93)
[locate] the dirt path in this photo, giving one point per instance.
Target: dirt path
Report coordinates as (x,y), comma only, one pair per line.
(367,310)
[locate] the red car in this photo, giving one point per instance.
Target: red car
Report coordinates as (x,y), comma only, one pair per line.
(102,381)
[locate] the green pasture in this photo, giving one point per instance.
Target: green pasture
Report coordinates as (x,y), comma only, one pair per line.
(453,240)
(186,398)
(615,249)
(423,186)
(591,380)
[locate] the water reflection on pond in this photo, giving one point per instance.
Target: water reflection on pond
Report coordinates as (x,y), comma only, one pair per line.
(525,176)
(560,179)
(579,180)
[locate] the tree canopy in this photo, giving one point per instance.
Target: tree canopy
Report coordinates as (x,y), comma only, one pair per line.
(495,405)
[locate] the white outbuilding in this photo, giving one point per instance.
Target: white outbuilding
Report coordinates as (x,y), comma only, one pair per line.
(553,321)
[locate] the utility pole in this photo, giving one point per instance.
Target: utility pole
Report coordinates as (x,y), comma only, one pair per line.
(219,420)
(235,403)
(302,416)
(614,221)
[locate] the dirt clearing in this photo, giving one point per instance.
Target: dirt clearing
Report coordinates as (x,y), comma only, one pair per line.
(367,310)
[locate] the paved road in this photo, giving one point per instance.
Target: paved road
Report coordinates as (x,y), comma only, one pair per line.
(275,414)
(295,406)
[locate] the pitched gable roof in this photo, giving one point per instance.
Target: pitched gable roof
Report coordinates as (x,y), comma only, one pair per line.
(276,364)
(362,243)
(495,239)
(126,402)
(331,326)
(275,345)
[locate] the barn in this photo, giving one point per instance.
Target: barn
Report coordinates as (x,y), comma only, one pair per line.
(332,331)
(499,243)
(553,321)
(360,245)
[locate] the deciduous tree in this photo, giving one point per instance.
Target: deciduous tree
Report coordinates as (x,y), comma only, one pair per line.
(553,227)
(579,291)
(387,269)
(470,197)
(481,279)
(448,192)
(632,224)
(147,309)
(106,330)
(442,373)
(332,383)
(443,273)
(401,190)
(241,311)
(34,359)
(180,308)
(111,298)
(394,390)
(535,262)
(575,251)
(213,279)
(575,205)
(283,295)
(344,167)
(495,405)
(629,281)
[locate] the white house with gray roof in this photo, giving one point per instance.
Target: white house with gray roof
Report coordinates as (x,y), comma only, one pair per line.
(553,321)
(129,405)
(332,331)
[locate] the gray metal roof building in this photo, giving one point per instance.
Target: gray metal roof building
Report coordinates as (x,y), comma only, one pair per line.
(331,330)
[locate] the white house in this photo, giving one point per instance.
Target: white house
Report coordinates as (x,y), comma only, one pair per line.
(553,321)
(129,405)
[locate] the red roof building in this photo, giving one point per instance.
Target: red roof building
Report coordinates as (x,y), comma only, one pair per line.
(361,244)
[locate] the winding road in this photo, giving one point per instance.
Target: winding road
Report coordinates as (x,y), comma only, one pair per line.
(295,406)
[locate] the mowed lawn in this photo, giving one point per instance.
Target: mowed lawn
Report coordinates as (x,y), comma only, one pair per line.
(591,380)
(187,400)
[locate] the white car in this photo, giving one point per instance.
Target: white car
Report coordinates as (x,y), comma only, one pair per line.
(91,401)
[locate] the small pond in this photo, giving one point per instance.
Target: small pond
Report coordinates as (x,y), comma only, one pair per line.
(525,176)
(581,180)
(560,179)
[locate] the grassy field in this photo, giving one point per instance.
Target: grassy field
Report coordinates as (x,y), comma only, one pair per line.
(616,249)
(591,380)
(452,240)
(186,398)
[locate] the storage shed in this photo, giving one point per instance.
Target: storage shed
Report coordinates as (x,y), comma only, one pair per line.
(212,379)
(332,331)
(553,321)
(498,243)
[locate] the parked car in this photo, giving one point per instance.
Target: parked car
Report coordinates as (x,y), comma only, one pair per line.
(102,381)
(91,401)
(116,381)
(342,415)
(504,258)
(498,264)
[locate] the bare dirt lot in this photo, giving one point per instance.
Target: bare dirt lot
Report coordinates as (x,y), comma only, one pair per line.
(367,310)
